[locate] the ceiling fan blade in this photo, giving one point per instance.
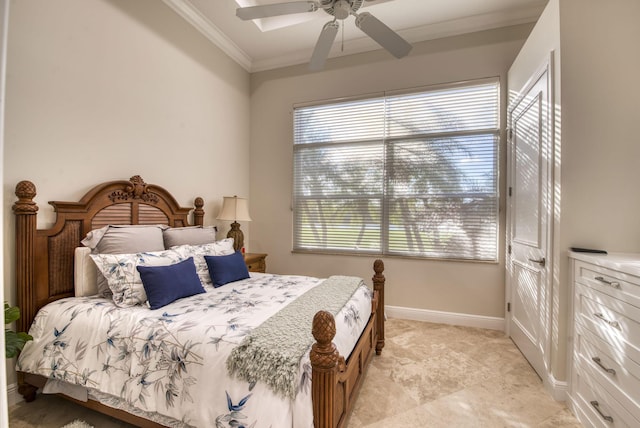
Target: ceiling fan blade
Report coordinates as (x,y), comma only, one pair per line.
(323,45)
(267,10)
(383,35)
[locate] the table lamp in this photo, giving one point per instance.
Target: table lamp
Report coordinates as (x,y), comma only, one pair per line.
(235,208)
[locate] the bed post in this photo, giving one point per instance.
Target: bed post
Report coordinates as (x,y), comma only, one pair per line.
(198,212)
(378,286)
(324,360)
(25,210)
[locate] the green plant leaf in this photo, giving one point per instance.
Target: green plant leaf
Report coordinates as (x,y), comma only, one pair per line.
(11,313)
(14,342)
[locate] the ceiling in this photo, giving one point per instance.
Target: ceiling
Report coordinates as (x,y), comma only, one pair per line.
(283,41)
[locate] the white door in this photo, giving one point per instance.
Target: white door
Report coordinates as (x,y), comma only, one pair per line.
(529,220)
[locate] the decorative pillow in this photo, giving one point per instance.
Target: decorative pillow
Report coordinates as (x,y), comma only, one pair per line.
(219,248)
(123,239)
(226,269)
(166,284)
(194,235)
(85,274)
(123,277)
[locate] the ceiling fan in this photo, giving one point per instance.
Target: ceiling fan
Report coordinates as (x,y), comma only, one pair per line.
(340,10)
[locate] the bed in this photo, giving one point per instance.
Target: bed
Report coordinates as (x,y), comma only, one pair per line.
(328,375)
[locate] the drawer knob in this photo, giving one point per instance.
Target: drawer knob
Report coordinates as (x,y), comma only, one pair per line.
(612,323)
(613,284)
(606,369)
(596,406)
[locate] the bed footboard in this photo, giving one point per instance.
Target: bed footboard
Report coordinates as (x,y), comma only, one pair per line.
(336,382)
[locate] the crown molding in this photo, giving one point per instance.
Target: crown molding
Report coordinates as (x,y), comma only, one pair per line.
(193,16)
(433,31)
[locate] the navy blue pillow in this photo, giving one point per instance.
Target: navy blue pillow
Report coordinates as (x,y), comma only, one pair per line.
(165,284)
(226,269)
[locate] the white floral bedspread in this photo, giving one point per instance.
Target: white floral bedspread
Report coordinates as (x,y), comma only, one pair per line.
(169,364)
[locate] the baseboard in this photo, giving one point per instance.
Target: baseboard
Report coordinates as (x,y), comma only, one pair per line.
(453,318)
(13,396)
(558,389)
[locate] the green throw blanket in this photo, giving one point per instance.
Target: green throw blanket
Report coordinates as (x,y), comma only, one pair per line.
(271,353)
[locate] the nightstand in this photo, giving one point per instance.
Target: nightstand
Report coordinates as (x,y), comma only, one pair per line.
(256,262)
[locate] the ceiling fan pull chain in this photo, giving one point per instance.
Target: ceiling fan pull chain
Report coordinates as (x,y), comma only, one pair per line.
(342,45)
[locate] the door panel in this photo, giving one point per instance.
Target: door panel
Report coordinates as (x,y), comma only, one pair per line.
(527,174)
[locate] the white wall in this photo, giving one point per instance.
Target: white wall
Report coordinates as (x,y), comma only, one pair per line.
(456,287)
(102,90)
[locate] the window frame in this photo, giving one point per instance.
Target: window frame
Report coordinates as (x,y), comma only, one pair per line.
(384,197)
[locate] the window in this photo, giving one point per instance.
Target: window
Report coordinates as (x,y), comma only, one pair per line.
(410,174)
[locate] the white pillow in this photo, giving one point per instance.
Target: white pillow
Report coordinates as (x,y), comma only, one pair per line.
(223,247)
(123,277)
(85,273)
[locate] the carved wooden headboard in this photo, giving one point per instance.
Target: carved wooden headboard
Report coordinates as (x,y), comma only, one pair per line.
(44,257)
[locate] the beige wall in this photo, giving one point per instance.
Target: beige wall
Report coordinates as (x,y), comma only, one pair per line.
(458,287)
(600,117)
(101,90)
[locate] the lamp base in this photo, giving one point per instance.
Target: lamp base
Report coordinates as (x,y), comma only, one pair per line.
(237,235)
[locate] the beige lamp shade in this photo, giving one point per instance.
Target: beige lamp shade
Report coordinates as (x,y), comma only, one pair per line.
(235,208)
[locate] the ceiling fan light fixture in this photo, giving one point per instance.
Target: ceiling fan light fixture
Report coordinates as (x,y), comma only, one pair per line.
(341,9)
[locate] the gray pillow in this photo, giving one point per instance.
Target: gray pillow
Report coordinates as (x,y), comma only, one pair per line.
(193,235)
(123,239)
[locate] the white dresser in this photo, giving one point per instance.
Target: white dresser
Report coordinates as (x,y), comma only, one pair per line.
(605,362)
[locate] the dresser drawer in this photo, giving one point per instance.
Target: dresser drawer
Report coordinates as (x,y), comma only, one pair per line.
(616,284)
(615,321)
(597,405)
(617,374)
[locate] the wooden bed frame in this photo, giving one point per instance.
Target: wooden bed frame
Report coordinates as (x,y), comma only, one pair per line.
(45,269)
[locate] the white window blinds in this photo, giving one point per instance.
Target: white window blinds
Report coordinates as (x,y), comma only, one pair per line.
(410,174)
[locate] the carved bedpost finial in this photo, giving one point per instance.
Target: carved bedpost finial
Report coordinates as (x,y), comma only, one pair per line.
(324,327)
(378,267)
(198,212)
(25,191)
(324,355)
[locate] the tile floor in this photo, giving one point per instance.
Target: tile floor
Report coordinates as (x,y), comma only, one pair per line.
(429,375)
